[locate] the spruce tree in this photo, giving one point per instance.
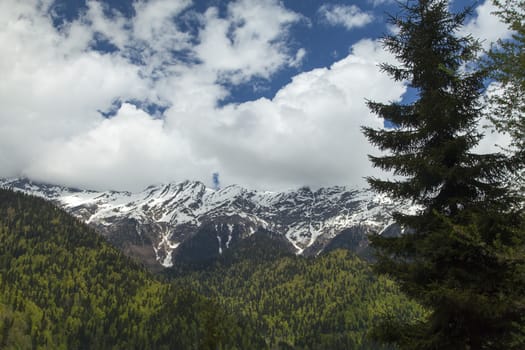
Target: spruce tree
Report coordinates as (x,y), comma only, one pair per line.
(462,253)
(506,64)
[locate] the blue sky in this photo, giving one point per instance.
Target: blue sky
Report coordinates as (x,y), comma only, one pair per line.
(324,42)
(269,94)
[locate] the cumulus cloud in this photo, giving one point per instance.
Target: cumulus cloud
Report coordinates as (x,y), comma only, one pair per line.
(486,26)
(249,42)
(492,141)
(309,132)
(348,16)
(55,83)
(51,86)
(113,147)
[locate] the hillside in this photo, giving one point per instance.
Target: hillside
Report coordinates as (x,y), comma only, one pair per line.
(327,302)
(63,287)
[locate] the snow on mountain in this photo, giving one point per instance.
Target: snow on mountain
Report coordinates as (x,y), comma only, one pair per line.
(157,224)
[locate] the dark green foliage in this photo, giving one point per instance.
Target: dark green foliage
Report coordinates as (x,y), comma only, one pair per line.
(260,247)
(14,328)
(470,275)
(352,239)
(63,287)
(430,146)
(463,257)
(328,302)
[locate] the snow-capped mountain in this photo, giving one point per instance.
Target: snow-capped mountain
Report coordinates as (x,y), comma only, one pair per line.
(183,220)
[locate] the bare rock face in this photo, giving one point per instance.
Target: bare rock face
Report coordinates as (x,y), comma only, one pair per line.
(187,220)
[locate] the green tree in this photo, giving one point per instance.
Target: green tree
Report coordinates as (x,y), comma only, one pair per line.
(506,64)
(461,255)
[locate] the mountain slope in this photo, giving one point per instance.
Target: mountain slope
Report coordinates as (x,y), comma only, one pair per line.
(63,287)
(295,302)
(159,222)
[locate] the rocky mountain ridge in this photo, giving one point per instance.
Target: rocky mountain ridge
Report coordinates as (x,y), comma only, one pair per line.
(188,221)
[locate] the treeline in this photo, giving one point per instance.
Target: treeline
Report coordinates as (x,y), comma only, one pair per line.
(63,287)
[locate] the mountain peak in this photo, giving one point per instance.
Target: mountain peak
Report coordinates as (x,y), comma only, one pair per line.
(154,224)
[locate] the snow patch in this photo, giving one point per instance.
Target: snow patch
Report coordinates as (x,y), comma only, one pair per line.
(220,244)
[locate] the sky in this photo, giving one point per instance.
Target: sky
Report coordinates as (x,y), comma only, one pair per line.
(266,94)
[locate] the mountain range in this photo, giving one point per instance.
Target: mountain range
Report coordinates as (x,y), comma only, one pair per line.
(189,222)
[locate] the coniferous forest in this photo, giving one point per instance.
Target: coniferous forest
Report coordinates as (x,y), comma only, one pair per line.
(63,287)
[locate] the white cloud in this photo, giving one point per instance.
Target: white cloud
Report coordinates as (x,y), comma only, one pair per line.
(53,85)
(309,133)
(492,141)
(380,2)
(348,16)
(298,59)
(127,151)
(249,42)
(95,21)
(155,19)
(486,26)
